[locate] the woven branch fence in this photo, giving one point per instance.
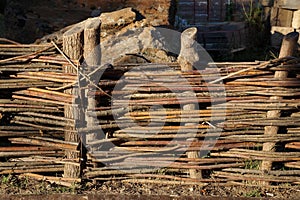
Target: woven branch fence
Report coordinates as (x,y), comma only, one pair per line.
(240,129)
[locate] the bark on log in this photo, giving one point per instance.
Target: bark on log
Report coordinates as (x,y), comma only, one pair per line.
(72,47)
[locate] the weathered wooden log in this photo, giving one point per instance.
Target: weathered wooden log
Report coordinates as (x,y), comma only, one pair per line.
(92,56)
(288,47)
(72,47)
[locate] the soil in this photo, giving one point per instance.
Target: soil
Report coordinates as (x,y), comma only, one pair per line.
(12,185)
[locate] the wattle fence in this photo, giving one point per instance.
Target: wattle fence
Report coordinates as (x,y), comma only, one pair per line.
(241,128)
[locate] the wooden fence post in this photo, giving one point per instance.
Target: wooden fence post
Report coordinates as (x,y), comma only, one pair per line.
(187,51)
(72,47)
(288,47)
(92,56)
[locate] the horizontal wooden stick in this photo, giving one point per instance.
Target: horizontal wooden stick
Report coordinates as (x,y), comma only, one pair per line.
(45,95)
(145,181)
(39,100)
(47,169)
(39,127)
(269,178)
(43,121)
(47,116)
(22,153)
(50,178)
(50,143)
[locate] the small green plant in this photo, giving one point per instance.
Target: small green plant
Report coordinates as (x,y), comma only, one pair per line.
(6,179)
(252,164)
(41,188)
(255,23)
(62,189)
(24,182)
(162,171)
(254,14)
(253,193)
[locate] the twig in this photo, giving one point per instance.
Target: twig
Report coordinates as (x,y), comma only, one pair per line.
(10,41)
(78,71)
(27,55)
(263,65)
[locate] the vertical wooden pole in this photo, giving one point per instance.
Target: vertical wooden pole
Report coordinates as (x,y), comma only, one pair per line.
(288,47)
(72,47)
(92,58)
(187,51)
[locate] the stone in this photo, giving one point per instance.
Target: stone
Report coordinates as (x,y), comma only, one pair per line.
(281,17)
(150,9)
(296,20)
(289,4)
(25,22)
(117,18)
(152,43)
(111,23)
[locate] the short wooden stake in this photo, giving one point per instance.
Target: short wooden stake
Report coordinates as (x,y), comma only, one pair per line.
(187,51)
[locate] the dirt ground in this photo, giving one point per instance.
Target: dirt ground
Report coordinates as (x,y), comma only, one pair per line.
(12,185)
